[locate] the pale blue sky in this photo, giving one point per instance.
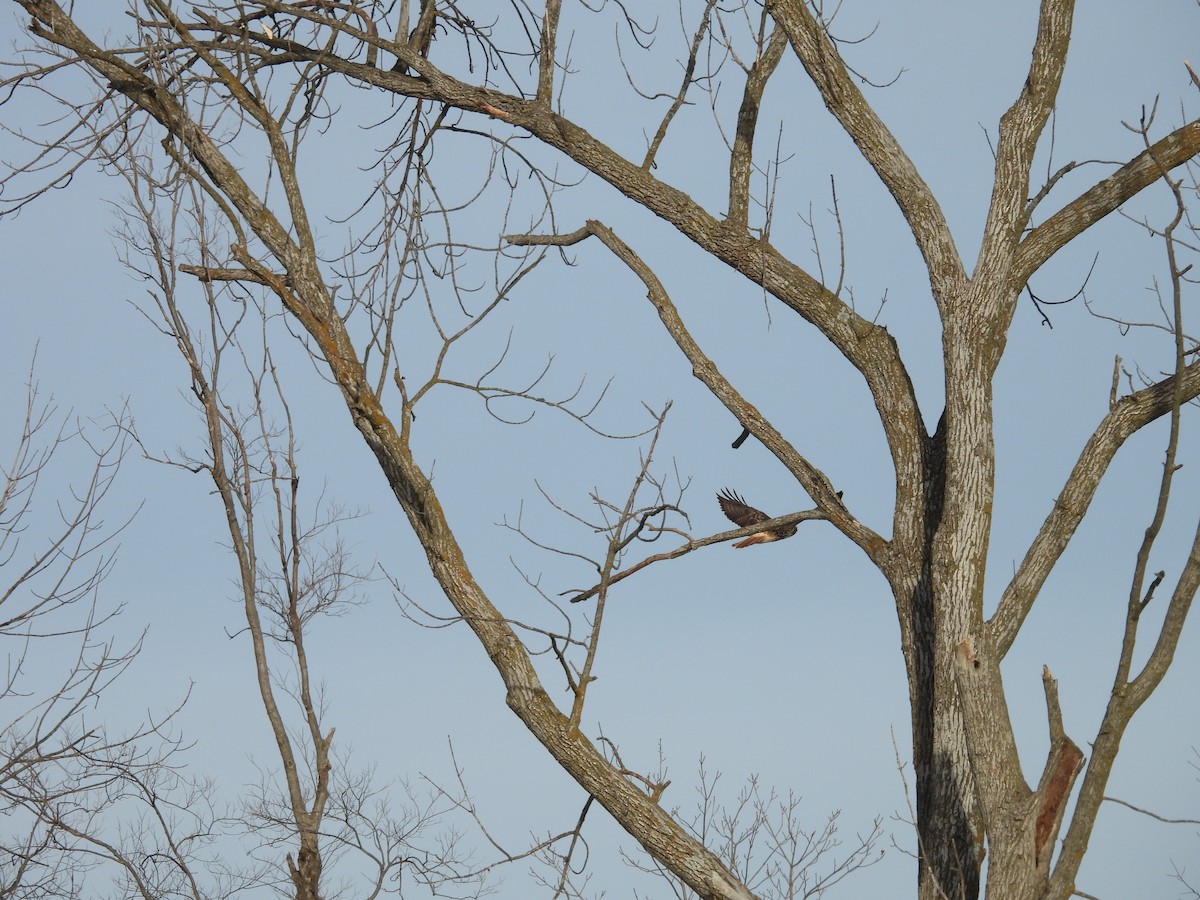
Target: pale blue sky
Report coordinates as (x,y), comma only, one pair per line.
(782,661)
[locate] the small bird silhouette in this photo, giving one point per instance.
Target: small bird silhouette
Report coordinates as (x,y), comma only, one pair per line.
(743,515)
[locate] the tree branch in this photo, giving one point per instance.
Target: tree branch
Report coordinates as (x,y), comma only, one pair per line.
(1102,198)
(814,481)
(549,38)
(1063,765)
(618,540)
(1130,414)
(1153,815)
(879,147)
(1020,127)
(741,158)
(808,515)
(689,71)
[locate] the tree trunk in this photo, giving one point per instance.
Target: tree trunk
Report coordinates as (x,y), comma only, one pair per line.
(949,825)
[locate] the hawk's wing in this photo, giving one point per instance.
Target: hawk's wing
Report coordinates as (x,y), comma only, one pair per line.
(738,511)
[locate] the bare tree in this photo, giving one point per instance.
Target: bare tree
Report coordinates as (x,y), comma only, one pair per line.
(59,767)
(761,839)
(217,85)
(332,823)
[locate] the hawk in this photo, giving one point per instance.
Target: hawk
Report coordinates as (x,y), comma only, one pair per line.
(743,515)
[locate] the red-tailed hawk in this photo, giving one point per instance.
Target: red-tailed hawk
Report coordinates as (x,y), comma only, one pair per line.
(743,515)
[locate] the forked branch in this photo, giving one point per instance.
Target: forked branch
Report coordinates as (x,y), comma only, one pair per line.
(626,529)
(1104,197)
(879,147)
(1020,128)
